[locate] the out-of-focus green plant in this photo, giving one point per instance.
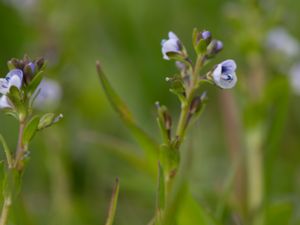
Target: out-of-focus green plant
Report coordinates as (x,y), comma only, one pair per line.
(263,103)
(20,89)
(173,196)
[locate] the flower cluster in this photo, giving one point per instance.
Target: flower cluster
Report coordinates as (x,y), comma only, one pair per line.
(24,87)
(186,84)
(223,74)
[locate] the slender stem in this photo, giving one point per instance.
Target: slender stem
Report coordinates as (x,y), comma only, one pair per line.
(5,209)
(20,147)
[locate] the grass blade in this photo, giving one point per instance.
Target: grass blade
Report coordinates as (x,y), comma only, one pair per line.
(113,203)
(145,141)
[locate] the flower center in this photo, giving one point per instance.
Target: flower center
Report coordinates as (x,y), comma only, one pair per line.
(227,77)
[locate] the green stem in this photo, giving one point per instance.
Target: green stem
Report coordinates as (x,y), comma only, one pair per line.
(20,148)
(5,209)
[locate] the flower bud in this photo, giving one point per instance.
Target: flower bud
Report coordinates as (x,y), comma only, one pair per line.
(214,47)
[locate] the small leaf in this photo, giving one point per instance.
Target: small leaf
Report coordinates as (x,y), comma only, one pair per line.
(146,142)
(201,46)
(113,203)
(30,129)
(48,120)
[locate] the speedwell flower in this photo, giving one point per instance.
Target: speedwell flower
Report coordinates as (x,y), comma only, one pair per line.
(224,74)
(13,78)
(171,46)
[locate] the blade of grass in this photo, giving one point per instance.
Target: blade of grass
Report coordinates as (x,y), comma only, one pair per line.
(146,142)
(113,203)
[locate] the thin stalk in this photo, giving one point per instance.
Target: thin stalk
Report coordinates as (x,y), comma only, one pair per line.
(5,209)
(20,148)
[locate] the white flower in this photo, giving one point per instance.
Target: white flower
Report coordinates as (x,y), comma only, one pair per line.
(49,95)
(224,74)
(13,78)
(295,78)
(280,40)
(172,45)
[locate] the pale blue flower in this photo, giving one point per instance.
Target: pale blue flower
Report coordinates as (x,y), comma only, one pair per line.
(224,74)
(13,78)
(172,45)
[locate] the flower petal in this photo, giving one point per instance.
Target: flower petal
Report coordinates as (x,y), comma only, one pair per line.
(172,35)
(3,86)
(228,66)
(4,102)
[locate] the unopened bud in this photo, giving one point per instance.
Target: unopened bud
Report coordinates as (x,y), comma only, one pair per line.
(214,47)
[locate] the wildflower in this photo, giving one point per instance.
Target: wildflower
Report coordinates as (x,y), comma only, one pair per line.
(171,47)
(13,78)
(224,74)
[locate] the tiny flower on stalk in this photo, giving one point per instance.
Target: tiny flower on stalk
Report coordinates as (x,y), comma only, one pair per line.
(13,78)
(173,48)
(224,75)
(214,47)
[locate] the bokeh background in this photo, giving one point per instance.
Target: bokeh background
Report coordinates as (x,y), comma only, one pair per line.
(72,169)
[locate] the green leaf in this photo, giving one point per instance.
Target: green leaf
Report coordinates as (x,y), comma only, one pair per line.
(48,120)
(6,151)
(201,46)
(30,129)
(145,141)
(113,203)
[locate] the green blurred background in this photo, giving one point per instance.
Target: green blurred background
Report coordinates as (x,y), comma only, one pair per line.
(69,179)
